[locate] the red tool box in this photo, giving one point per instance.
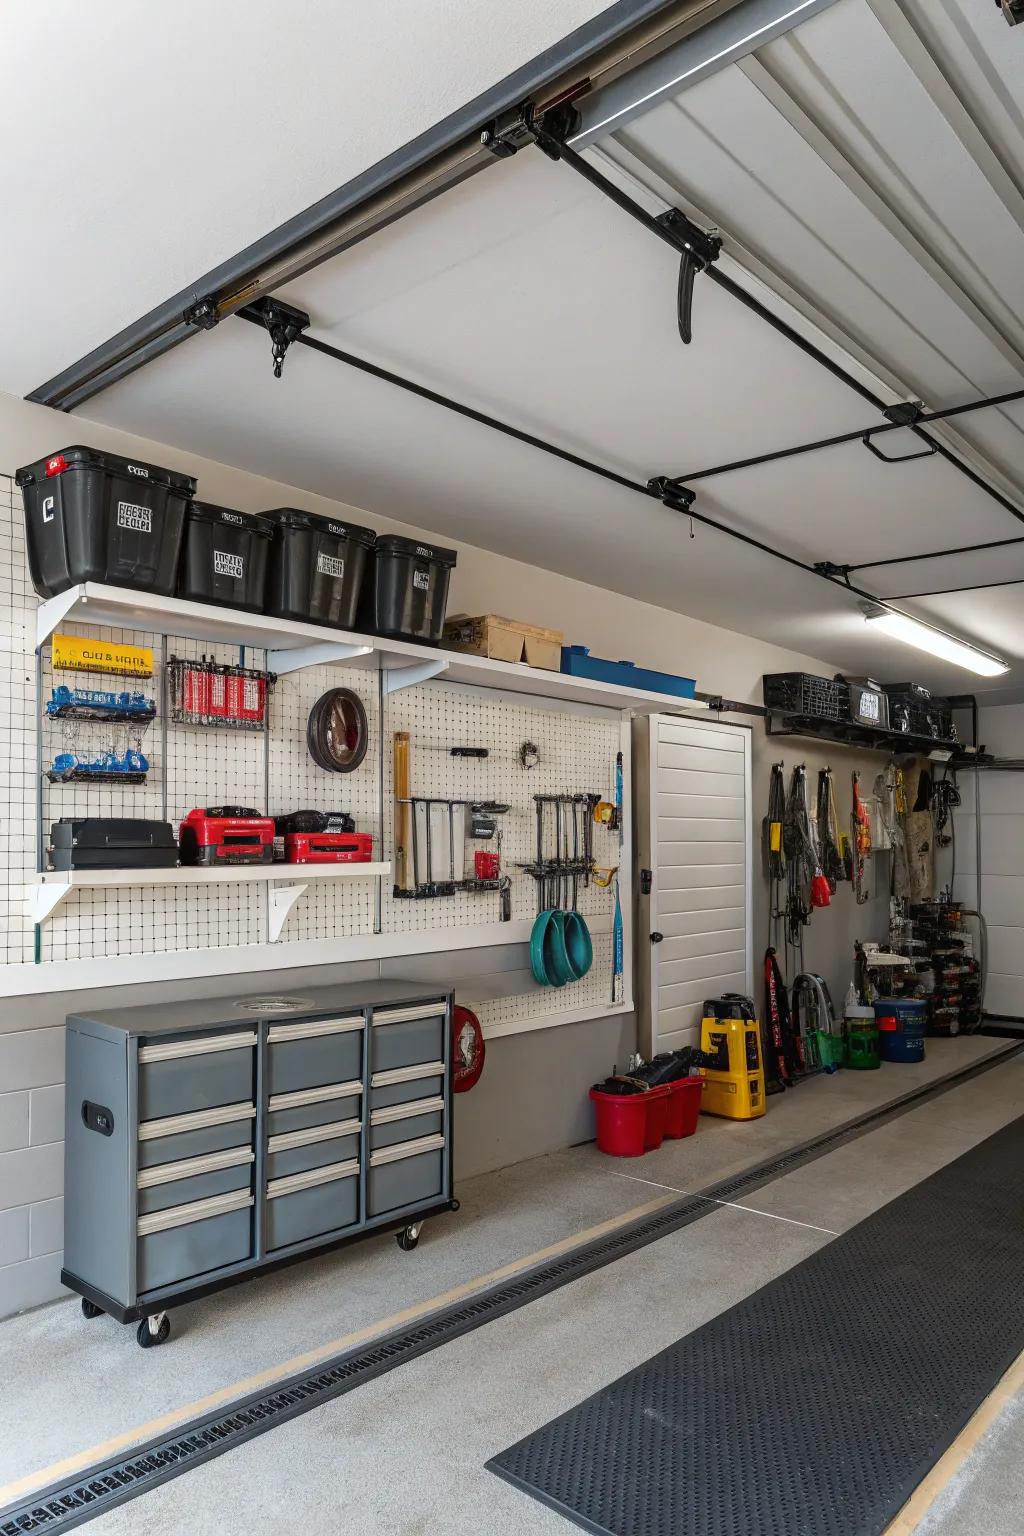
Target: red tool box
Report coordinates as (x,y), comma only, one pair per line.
(226,834)
(328,847)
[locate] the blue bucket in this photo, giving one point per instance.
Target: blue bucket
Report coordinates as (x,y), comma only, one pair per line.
(905,1043)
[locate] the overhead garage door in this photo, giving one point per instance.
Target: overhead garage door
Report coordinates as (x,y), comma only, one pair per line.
(1000,889)
(700,841)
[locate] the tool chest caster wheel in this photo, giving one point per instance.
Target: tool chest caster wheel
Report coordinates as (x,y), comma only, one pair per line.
(154,1330)
(408,1237)
(90,1309)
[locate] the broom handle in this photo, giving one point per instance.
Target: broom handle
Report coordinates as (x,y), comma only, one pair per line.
(401,780)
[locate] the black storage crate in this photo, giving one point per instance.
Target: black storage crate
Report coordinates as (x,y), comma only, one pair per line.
(806,697)
(913,711)
(317,570)
(225,557)
(91,516)
(405,593)
(112,842)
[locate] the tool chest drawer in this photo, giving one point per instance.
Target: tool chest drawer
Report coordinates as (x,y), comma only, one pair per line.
(403,1084)
(313,1203)
(195,1072)
(175,1137)
(309,1053)
(406,1122)
(290,1152)
(403,1037)
(194,1178)
(188,1241)
(314,1106)
(405,1174)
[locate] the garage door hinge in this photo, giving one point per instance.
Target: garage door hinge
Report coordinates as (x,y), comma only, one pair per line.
(521,127)
(832,571)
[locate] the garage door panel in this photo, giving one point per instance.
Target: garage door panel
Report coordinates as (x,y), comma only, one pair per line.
(688,946)
(679,1039)
(703,968)
(674,733)
(705,919)
(695,878)
(697,781)
(1002,900)
(1005,994)
(698,758)
(1006,951)
(673,856)
(692,829)
(684,992)
(1002,844)
(726,807)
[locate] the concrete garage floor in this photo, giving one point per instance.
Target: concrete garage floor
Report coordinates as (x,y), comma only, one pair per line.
(406,1453)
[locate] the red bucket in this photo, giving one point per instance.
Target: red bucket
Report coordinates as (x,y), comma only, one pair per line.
(683,1107)
(626,1126)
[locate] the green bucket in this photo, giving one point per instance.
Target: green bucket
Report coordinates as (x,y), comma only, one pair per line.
(831,1050)
(862,1045)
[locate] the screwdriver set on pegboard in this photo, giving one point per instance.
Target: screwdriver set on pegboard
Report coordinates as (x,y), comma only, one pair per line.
(206,692)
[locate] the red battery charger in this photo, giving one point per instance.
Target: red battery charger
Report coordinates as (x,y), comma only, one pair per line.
(226,834)
(328,847)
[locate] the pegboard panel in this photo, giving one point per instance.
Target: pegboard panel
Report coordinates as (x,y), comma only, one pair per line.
(577,756)
(273,772)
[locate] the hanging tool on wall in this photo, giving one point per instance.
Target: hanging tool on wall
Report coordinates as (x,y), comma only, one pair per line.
(783,1057)
(860,840)
(400,776)
(829,849)
(807,887)
(618,948)
(773,849)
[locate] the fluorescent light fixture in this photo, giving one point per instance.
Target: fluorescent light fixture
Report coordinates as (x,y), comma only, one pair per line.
(924,637)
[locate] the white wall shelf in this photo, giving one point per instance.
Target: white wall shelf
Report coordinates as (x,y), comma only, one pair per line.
(285,882)
(291,647)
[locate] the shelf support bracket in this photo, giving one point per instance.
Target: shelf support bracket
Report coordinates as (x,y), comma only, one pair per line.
(420,672)
(45,898)
(53,612)
(323,654)
(282,899)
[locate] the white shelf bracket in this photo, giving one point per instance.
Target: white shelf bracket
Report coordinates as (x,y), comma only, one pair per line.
(282,899)
(320,655)
(53,612)
(420,672)
(46,898)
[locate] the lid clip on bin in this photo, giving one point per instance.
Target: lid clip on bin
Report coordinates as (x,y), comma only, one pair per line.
(284,323)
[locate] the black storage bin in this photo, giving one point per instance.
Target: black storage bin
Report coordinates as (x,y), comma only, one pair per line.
(225,557)
(91,516)
(112,842)
(406,589)
(317,570)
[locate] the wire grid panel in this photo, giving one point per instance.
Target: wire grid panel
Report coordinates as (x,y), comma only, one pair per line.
(577,756)
(594,991)
(17,729)
(329,908)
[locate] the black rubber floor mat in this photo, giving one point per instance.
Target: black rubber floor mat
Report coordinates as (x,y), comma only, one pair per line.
(815,1406)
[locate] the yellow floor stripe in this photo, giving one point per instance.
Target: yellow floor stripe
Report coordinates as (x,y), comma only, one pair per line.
(72,1465)
(1010,1387)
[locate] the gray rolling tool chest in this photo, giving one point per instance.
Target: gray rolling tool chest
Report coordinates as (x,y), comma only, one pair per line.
(206,1141)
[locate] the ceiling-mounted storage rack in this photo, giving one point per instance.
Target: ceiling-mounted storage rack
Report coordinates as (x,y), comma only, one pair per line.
(850,735)
(291,646)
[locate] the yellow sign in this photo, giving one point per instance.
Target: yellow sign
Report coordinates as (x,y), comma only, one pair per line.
(74,653)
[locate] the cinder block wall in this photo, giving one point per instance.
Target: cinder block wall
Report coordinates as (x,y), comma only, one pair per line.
(31,1166)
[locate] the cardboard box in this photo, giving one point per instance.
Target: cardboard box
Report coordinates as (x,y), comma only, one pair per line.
(505,640)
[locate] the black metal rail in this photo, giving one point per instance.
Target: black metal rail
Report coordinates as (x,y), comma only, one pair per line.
(73,1501)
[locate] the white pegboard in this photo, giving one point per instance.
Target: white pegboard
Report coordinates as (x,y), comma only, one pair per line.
(192,766)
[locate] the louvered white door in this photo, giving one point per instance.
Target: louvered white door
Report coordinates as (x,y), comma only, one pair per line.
(701,851)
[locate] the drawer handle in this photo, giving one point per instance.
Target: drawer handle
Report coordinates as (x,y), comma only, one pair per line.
(407,1074)
(310,1029)
(313,1133)
(300,1096)
(174,1050)
(191,1167)
(312,1177)
(197,1120)
(406,1149)
(198,1210)
(406,1111)
(424,1011)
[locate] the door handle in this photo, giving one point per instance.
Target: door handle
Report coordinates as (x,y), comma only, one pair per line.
(656,938)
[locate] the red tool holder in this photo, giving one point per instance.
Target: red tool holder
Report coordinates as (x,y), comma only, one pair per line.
(328,847)
(207,693)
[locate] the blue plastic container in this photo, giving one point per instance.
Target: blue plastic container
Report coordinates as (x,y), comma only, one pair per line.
(905,1043)
(578,662)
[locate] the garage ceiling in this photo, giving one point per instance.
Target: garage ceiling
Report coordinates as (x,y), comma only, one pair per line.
(864,170)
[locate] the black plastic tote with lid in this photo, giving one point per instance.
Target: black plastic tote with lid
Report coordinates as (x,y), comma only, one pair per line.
(406,589)
(317,569)
(225,556)
(92,516)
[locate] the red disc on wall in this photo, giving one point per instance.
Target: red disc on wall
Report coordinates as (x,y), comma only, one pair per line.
(468,1049)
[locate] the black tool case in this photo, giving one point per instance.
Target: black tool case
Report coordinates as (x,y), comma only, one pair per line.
(317,569)
(112,842)
(405,592)
(225,557)
(92,516)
